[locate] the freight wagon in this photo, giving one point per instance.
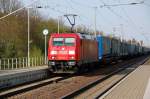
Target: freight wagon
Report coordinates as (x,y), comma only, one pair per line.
(112,49)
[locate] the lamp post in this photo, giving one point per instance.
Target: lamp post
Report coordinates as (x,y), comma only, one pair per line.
(28,13)
(45,32)
(28,37)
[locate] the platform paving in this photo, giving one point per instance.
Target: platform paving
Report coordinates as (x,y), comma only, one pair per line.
(134,86)
(9,72)
(10,78)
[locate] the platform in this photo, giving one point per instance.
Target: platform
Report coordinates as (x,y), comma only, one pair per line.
(8,72)
(9,78)
(135,86)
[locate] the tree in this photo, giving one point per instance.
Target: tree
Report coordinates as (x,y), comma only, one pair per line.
(7,6)
(13,30)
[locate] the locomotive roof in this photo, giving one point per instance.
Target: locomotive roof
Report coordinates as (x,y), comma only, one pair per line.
(81,35)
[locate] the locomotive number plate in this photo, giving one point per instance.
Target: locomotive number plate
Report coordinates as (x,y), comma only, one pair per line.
(62,52)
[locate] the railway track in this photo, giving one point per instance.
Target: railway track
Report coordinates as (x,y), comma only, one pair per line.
(30,86)
(97,88)
(59,87)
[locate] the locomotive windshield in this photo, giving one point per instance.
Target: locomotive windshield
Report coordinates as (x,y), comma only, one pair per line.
(63,41)
(69,41)
(58,41)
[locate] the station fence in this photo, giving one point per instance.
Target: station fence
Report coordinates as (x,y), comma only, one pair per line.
(19,63)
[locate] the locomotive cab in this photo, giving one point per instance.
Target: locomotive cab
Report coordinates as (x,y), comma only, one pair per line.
(71,52)
(62,51)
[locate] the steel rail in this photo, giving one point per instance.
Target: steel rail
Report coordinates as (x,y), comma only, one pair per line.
(27,87)
(94,83)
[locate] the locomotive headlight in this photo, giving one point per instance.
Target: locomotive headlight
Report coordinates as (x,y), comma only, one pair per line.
(71,52)
(53,52)
(72,57)
(53,57)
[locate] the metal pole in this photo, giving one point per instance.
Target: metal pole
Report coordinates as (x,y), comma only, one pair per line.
(8,64)
(26,62)
(23,62)
(4,64)
(95,8)
(121,27)
(40,61)
(28,38)
(114,32)
(10,6)
(12,66)
(0,64)
(45,50)
(58,24)
(16,63)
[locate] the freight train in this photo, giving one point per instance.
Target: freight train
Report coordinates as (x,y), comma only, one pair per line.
(78,51)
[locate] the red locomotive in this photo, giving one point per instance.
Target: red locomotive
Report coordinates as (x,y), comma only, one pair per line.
(69,51)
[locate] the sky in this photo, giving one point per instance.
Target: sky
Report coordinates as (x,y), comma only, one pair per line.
(125,21)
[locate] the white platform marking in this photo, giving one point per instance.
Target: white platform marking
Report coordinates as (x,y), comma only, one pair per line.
(147,91)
